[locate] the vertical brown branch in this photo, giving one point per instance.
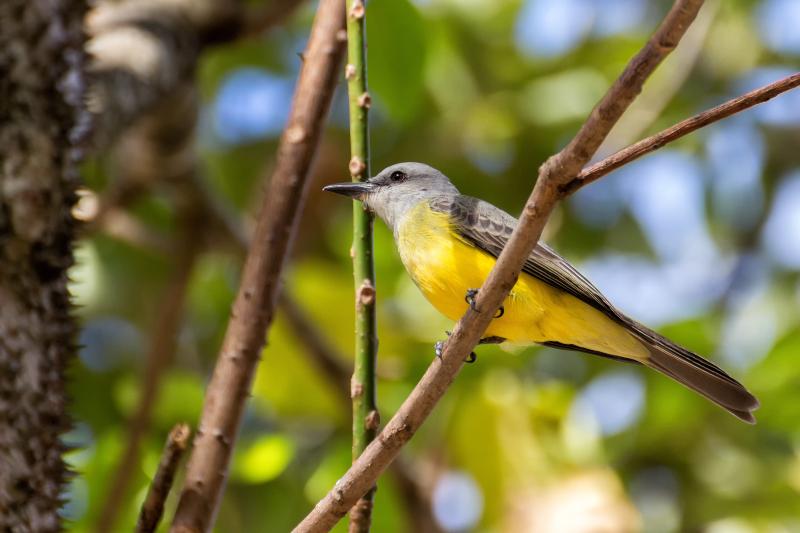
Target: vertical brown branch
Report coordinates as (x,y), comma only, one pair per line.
(255,303)
(157,493)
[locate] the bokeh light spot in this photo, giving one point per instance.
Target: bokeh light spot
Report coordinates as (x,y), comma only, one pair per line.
(457,502)
(614,400)
(251,104)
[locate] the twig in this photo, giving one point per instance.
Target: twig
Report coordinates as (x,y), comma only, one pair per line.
(124,226)
(654,142)
(363,385)
(663,86)
(554,172)
(257,297)
(153,506)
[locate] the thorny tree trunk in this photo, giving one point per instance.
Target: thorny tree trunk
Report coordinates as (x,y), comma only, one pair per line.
(41,125)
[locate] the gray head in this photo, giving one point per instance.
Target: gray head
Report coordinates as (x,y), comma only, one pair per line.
(396,189)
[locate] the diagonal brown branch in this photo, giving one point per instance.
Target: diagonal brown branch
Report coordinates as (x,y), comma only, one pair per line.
(153,506)
(556,171)
(320,350)
(685,127)
(257,298)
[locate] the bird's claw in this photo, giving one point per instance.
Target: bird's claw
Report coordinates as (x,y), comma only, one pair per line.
(438,349)
(470,299)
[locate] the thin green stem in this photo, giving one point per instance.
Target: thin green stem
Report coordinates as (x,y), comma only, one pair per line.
(365,411)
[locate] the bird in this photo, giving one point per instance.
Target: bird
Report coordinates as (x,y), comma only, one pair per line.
(448,243)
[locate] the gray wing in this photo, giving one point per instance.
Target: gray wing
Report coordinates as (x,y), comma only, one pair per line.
(489,228)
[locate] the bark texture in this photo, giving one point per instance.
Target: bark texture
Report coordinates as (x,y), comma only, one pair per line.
(167,36)
(42,125)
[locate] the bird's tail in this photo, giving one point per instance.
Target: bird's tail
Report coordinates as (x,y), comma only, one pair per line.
(695,372)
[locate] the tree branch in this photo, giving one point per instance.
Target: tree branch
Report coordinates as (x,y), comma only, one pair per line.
(663,86)
(366,419)
(153,506)
(685,127)
(257,297)
(556,171)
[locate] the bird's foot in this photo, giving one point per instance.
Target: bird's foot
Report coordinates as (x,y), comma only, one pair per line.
(492,340)
(438,349)
(470,299)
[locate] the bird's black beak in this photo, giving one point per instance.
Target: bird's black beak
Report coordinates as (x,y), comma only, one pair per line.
(352,189)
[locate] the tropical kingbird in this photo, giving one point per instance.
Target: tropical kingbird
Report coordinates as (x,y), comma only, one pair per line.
(449,242)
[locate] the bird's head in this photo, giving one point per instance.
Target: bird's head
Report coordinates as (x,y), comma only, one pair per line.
(396,189)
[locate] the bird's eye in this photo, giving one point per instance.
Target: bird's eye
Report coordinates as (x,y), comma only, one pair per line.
(397,176)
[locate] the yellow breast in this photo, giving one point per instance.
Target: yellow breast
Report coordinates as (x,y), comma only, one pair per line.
(444,267)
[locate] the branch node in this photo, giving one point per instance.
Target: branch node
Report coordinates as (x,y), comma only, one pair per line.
(220,436)
(373,420)
(365,100)
(356,388)
(357,11)
(296,134)
(357,166)
(349,72)
(366,294)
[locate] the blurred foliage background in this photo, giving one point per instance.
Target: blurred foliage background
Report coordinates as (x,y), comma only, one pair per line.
(700,240)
